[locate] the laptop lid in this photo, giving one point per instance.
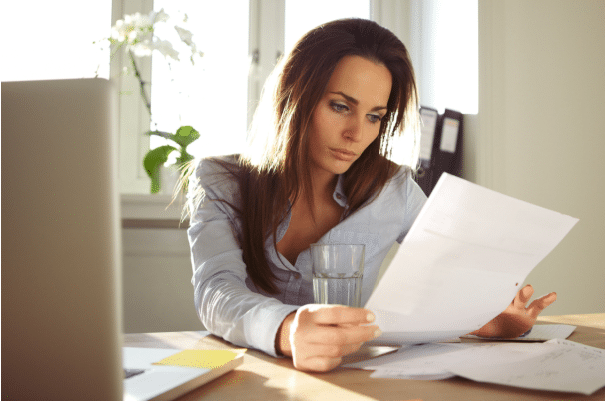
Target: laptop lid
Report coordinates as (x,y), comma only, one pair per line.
(61,314)
(146,380)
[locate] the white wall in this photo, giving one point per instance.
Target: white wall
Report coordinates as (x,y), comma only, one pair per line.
(158,294)
(540,135)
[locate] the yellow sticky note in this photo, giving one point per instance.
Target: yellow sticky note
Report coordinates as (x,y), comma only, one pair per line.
(198,358)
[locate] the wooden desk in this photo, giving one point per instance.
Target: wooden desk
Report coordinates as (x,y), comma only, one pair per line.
(265,378)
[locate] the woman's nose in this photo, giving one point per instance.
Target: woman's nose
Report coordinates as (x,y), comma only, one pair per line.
(354,131)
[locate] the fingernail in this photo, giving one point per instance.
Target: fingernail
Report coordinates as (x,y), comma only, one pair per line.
(370,317)
(377,333)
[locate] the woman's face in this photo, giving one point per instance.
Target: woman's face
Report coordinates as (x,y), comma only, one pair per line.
(347,118)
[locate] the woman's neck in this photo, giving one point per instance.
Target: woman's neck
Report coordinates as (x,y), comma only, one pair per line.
(323,185)
(311,217)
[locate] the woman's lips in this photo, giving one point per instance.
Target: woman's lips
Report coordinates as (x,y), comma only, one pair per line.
(344,155)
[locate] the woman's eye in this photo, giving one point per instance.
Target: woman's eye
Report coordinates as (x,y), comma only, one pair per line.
(339,107)
(374,118)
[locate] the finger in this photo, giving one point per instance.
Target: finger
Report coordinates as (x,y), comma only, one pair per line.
(523,296)
(338,314)
(538,305)
(338,335)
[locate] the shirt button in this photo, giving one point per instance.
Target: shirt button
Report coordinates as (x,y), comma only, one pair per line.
(338,196)
(296,275)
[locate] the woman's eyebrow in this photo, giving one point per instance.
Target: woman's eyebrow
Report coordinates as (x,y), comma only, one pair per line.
(356,102)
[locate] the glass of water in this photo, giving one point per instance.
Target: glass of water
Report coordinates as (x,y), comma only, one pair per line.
(337,273)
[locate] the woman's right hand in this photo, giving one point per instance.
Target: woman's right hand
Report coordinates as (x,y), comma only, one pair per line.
(318,336)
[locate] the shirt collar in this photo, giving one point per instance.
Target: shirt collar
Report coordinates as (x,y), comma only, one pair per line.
(339,193)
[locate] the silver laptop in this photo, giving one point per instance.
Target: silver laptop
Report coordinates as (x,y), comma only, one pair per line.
(61,252)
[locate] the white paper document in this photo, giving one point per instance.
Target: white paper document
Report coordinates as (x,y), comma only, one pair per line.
(540,332)
(462,262)
(556,365)
(416,362)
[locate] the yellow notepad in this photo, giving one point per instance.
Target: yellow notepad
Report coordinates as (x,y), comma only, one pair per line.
(197,358)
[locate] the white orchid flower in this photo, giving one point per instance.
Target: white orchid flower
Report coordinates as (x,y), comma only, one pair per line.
(139,21)
(185,35)
(143,48)
(119,31)
(136,32)
(159,16)
(165,47)
(187,38)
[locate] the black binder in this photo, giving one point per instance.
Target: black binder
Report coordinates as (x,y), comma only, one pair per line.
(442,151)
(448,152)
(424,175)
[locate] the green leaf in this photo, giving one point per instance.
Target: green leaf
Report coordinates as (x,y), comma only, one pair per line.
(152,162)
(185,135)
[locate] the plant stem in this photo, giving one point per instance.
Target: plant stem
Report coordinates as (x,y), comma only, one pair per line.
(141,83)
(163,134)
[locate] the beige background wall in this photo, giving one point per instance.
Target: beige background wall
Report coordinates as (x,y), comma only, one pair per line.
(540,132)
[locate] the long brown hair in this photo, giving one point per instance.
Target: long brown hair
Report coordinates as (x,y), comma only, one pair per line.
(273,172)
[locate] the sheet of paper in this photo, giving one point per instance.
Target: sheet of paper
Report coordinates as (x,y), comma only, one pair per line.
(417,362)
(462,262)
(557,365)
(434,358)
(540,332)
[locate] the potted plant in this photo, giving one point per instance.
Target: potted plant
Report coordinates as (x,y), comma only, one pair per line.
(135,34)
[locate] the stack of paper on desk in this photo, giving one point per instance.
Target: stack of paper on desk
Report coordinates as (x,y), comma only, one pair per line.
(556,365)
(462,262)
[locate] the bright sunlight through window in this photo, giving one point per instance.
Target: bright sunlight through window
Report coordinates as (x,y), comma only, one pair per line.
(302,16)
(454,63)
(210,95)
(54,39)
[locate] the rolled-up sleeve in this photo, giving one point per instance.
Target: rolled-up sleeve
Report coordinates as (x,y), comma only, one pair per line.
(225,304)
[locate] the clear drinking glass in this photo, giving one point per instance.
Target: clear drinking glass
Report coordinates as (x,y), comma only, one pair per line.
(337,273)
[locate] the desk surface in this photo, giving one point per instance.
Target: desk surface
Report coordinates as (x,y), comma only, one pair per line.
(265,378)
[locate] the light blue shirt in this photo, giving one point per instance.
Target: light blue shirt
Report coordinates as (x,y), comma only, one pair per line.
(226,300)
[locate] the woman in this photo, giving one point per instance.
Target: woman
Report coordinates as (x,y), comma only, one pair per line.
(316,171)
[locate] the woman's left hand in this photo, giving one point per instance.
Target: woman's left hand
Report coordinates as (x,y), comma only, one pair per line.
(516,319)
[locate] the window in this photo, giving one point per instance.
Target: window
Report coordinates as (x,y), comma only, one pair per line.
(457,55)
(44,41)
(210,95)
(448,67)
(302,16)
